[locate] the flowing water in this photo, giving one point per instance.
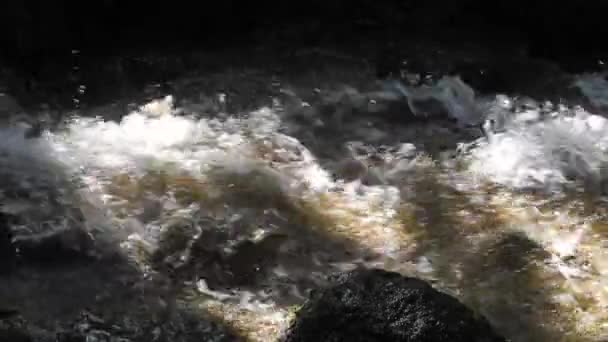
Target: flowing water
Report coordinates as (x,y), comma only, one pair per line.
(243,189)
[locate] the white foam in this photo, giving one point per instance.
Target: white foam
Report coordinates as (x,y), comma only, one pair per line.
(24,157)
(141,141)
(544,154)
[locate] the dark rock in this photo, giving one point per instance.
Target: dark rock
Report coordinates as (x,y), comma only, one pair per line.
(376,305)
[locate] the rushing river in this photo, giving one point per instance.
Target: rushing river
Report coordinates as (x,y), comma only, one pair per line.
(242,189)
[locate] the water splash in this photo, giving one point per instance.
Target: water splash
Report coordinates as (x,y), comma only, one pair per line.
(549,152)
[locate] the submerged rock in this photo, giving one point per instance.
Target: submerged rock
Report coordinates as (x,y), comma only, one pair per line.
(376,305)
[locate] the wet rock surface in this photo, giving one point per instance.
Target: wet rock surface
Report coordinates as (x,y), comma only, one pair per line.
(375,305)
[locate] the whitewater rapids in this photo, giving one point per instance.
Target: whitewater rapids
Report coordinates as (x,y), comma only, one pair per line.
(513,222)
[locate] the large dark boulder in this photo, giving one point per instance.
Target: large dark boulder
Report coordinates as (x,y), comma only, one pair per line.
(376,305)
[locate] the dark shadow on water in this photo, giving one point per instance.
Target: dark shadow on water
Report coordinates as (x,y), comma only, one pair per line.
(497,272)
(127,303)
(53,286)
